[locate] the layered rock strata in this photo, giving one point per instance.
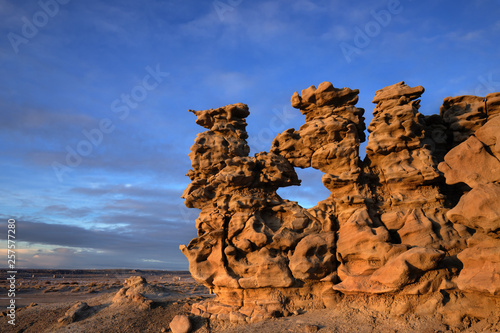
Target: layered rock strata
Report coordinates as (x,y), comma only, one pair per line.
(386,227)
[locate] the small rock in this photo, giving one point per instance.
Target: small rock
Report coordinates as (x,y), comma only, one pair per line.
(180,324)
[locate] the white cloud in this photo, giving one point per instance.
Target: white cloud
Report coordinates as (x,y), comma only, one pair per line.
(456,37)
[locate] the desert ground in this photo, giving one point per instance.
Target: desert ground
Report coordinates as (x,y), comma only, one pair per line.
(45,297)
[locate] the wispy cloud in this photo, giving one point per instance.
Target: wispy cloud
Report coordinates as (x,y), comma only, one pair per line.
(67,211)
(70,243)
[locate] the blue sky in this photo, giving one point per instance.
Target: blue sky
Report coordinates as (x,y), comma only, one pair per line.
(94,127)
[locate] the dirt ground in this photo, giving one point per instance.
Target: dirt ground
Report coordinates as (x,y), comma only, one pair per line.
(43,297)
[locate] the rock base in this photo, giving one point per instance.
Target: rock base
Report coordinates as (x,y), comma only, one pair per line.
(454,308)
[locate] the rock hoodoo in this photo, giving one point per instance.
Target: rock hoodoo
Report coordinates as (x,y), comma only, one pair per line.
(395,222)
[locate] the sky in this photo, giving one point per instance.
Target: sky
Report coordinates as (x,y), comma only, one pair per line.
(94,97)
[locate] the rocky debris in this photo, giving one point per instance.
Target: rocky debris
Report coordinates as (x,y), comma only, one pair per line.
(19,309)
(180,324)
(74,313)
(386,227)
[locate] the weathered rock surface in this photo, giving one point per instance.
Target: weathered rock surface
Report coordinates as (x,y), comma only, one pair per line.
(476,162)
(463,115)
(74,313)
(394,222)
(180,324)
(138,292)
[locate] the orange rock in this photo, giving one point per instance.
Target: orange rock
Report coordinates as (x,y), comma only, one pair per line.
(180,324)
(388,225)
(481,270)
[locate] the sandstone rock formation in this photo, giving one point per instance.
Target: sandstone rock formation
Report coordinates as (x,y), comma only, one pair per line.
(74,313)
(388,226)
(139,293)
(479,209)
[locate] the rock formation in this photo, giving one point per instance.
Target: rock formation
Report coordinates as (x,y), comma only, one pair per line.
(137,292)
(388,226)
(478,209)
(74,313)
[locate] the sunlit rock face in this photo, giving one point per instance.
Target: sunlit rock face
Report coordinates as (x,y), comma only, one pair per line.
(476,162)
(394,223)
